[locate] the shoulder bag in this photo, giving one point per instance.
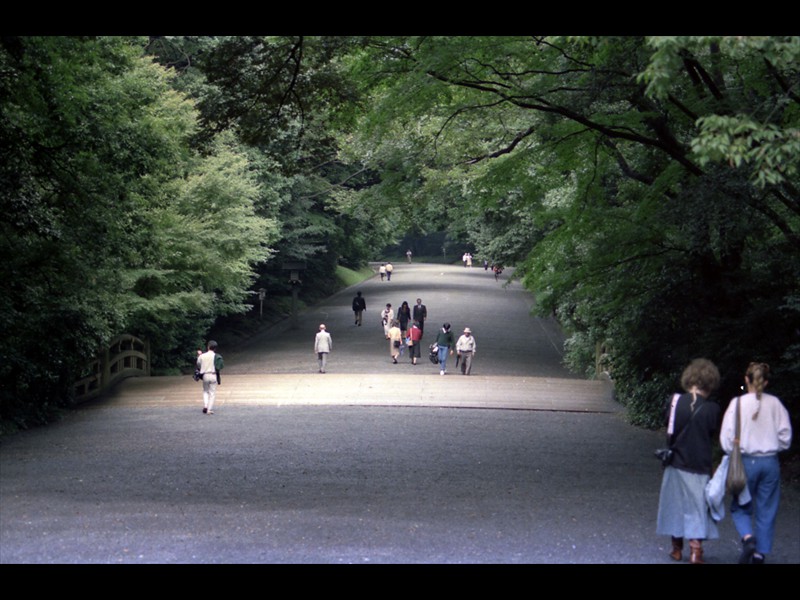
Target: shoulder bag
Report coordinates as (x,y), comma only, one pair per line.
(737,478)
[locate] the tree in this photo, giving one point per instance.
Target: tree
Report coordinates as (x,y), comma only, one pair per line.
(284,97)
(656,177)
(110,213)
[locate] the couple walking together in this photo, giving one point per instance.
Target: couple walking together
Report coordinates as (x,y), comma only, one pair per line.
(684,509)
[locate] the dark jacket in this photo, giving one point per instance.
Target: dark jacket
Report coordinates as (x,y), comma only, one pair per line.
(692,451)
(359,303)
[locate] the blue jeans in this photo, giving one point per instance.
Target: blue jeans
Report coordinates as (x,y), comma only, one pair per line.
(757,517)
(443,350)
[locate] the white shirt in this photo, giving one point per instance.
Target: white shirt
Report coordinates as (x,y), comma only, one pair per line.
(466,343)
(770,433)
(205,362)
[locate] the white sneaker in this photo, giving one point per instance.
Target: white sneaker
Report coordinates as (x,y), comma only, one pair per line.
(441,372)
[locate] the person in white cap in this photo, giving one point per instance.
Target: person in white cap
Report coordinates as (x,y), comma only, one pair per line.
(466,346)
(323,344)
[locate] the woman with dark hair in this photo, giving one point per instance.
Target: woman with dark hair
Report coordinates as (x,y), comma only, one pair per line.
(765,430)
(404,317)
(692,424)
(446,342)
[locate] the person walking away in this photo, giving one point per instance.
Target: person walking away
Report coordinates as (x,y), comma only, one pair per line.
(692,424)
(404,318)
(466,347)
(445,341)
(395,341)
(205,364)
(382,271)
(420,313)
(323,344)
(408,254)
(359,306)
(387,316)
(414,344)
(389,269)
(765,430)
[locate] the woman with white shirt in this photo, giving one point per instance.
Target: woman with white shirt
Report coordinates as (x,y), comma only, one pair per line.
(765,431)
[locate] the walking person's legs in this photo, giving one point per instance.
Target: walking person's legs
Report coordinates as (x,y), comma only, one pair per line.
(209,392)
(766,499)
(443,350)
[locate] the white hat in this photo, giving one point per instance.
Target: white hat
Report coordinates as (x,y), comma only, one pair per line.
(322,326)
(467,330)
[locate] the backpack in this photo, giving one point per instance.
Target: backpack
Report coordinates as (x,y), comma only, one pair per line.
(219,364)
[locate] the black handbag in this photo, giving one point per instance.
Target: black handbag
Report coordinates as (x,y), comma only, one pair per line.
(434,353)
(665,456)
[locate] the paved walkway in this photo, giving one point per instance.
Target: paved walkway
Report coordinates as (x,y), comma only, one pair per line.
(521,462)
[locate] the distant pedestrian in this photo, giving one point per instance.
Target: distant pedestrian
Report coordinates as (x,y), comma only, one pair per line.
(485,265)
(395,341)
(382,271)
(404,317)
(323,344)
(206,367)
(446,342)
(765,430)
(420,313)
(387,316)
(359,306)
(389,269)
(466,347)
(692,424)
(414,342)
(408,254)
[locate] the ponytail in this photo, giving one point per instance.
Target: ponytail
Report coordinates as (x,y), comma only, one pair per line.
(757,376)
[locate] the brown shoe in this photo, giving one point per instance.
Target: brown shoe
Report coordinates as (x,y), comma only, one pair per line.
(696,552)
(677,549)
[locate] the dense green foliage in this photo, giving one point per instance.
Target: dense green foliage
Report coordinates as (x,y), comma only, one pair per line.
(645,189)
(116,224)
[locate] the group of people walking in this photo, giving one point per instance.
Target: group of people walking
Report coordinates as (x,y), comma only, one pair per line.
(760,424)
(404,329)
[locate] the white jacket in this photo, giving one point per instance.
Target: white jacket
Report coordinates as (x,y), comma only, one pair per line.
(715,491)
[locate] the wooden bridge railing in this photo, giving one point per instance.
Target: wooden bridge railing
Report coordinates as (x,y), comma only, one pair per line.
(126,356)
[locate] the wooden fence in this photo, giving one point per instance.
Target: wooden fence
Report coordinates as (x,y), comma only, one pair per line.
(126,356)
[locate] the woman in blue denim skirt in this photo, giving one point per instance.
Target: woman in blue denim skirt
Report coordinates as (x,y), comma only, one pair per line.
(692,425)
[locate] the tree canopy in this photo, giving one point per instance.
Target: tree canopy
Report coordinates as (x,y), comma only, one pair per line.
(644,188)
